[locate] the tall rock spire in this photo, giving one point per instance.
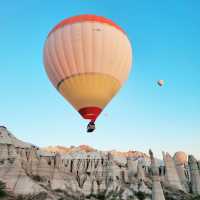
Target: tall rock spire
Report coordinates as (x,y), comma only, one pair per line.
(180,159)
(194,173)
(140,171)
(198,162)
(157,191)
(132,169)
(171,174)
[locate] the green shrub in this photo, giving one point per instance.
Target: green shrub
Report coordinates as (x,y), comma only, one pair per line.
(3,192)
(40,196)
(141,195)
(196,198)
(100,196)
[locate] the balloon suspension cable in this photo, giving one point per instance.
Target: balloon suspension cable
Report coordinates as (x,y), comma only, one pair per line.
(92,120)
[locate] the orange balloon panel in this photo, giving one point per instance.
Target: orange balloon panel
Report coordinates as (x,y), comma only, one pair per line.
(87,58)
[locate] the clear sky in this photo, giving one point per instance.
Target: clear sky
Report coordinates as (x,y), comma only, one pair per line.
(165,36)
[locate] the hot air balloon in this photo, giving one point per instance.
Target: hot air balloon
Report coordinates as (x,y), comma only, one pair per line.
(87,58)
(160,82)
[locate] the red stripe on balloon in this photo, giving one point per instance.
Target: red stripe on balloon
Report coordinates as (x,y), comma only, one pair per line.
(82,18)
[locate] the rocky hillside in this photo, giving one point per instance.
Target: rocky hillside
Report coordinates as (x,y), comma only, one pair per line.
(58,173)
(71,149)
(87,149)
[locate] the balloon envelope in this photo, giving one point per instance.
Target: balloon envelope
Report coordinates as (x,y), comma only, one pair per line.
(160,82)
(87,58)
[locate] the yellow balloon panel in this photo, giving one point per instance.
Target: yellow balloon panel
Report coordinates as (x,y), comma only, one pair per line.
(89,90)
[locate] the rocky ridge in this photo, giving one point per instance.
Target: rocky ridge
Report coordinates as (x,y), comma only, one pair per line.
(87,149)
(74,173)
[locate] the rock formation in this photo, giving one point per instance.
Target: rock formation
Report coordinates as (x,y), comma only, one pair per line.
(194,172)
(171,174)
(180,159)
(86,173)
(157,192)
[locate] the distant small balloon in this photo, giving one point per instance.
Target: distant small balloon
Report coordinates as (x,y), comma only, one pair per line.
(160,82)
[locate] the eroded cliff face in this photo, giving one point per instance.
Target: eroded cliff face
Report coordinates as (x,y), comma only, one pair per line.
(29,170)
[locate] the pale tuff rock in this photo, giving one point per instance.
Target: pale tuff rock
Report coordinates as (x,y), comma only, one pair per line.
(4,151)
(171,175)
(95,187)
(109,171)
(63,181)
(140,171)
(142,187)
(27,169)
(157,192)
(11,152)
(180,159)
(17,180)
(198,162)
(87,185)
(102,187)
(58,177)
(132,168)
(121,161)
(33,163)
(43,169)
(194,172)
(127,194)
(132,154)
(7,138)
(57,181)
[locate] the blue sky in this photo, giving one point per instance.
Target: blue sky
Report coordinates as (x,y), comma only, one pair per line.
(166,43)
